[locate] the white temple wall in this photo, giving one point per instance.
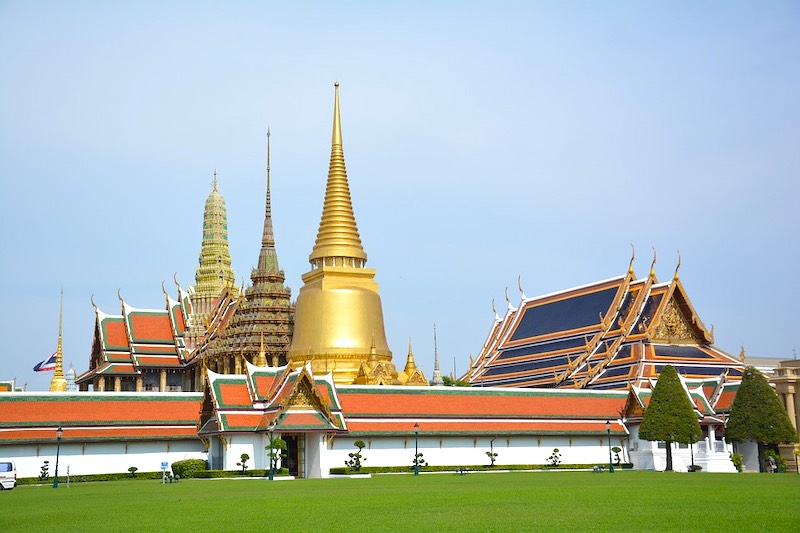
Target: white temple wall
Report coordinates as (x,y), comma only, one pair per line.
(100,457)
(455,451)
(253,444)
(316,456)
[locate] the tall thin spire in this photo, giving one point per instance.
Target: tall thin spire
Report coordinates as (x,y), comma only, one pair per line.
(268,258)
(338,235)
(261,327)
(58,383)
(437,371)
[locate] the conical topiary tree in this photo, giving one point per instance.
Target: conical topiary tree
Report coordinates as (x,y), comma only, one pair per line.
(757,414)
(670,415)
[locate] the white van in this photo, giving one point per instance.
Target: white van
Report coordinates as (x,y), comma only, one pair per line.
(8,474)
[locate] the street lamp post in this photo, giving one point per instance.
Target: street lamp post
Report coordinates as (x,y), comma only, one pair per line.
(610,460)
(59,432)
(416,448)
(270,457)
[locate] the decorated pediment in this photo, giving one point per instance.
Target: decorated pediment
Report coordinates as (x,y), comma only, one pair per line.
(303,397)
(673,326)
(679,324)
(416,378)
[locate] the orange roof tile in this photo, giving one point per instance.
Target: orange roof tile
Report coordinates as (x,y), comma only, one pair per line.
(150,327)
(476,402)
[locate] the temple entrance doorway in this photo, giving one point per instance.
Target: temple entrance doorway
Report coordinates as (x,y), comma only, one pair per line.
(295,454)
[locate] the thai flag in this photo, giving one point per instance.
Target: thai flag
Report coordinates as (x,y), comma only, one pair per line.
(47,365)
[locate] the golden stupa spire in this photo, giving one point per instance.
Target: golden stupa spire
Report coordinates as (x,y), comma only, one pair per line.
(411,366)
(338,239)
(339,319)
(58,383)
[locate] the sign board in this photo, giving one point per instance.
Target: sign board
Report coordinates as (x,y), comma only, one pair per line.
(164,465)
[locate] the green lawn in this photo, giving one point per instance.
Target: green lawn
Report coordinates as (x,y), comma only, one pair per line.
(524,501)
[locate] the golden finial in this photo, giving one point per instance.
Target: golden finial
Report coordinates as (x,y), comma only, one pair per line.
(337,122)
(119,295)
(411,365)
(175,280)
(633,256)
(653,264)
(675,277)
(58,383)
(519,285)
(373,352)
(508,300)
(741,355)
(163,288)
(214,181)
(262,354)
(91,299)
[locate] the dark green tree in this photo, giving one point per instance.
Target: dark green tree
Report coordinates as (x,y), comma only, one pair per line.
(670,416)
(757,414)
(243,462)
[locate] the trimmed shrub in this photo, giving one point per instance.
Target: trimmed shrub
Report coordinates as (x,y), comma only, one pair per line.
(457,468)
(189,468)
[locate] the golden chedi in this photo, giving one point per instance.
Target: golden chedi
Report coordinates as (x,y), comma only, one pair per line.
(339,319)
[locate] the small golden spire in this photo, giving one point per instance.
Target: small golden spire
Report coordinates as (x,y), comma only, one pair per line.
(741,355)
(58,383)
(411,366)
(262,354)
(675,277)
(373,352)
(214,181)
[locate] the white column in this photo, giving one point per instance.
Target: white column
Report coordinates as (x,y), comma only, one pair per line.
(790,406)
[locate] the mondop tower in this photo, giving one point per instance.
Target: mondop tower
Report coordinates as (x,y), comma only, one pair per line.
(339,318)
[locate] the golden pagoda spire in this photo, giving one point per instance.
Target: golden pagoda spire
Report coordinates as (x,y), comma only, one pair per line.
(411,366)
(339,321)
(58,383)
(338,238)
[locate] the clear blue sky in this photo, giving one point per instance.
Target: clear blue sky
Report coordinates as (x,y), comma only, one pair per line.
(484,141)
